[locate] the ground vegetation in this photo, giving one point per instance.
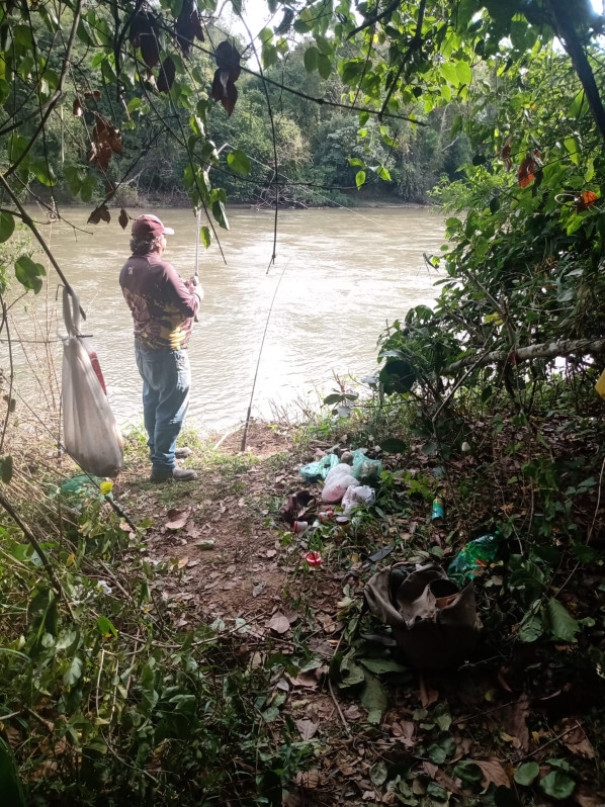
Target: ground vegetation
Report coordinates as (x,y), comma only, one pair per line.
(132,666)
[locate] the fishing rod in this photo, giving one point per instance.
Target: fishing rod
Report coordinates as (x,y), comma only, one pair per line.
(260,353)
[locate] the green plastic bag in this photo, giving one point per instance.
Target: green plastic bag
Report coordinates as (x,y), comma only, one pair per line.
(365,469)
(319,469)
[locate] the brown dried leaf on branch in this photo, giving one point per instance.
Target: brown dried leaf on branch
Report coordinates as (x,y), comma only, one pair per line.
(106,139)
(78,106)
(123,219)
(505,154)
(228,72)
(100,213)
(188,26)
(143,34)
(166,75)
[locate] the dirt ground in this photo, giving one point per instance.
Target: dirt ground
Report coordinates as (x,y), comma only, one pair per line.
(235,563)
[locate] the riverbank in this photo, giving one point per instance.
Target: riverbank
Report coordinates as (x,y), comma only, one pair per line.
(206,631)
(128,197)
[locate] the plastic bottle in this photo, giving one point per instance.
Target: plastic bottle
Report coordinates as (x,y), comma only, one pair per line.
(437,508)
(475,554)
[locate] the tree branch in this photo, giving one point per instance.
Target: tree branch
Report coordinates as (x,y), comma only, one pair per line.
(414,45)
(546,350)
(56,95)
(375,18)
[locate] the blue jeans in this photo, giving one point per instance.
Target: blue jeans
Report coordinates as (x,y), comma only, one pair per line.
(166,378)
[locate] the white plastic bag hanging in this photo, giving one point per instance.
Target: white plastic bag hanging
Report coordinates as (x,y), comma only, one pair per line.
(90,432)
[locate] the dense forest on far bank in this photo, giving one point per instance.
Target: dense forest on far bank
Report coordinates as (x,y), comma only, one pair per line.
(318,141)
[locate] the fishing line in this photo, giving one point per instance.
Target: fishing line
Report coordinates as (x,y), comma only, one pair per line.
(260,353)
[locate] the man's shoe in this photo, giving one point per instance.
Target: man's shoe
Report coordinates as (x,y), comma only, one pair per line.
(183,453)
(176,474)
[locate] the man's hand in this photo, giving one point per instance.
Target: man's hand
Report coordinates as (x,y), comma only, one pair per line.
(197,289)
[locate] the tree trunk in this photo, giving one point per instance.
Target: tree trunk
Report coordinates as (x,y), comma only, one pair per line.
(564,26)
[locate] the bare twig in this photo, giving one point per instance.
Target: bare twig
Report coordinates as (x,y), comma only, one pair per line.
(338,709)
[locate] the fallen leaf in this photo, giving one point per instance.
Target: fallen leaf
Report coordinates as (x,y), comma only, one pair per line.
(427,694)
(176,519)
(306,679)
(517,725)
(182,563)
(492,772)
(448,783)
(430,769)
(280,623)
(308,779)
(586,799)
(307,728)
(258,588)
(404,731)
(578,743)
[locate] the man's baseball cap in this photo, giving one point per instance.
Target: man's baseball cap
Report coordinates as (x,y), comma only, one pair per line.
(148,226)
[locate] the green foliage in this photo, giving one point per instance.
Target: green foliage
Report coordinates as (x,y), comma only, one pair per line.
(96,675)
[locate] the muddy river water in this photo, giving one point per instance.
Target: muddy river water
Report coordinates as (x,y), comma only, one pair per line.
(342,275)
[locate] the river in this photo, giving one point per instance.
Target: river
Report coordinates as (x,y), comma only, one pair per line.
(340,275)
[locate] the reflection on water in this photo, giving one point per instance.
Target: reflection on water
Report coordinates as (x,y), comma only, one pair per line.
(342,275)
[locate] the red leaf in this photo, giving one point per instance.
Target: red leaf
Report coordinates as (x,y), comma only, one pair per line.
(585,200)
(527,170)
(166,76)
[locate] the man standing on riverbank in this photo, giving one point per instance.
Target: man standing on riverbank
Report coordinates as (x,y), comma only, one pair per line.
(163,308)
